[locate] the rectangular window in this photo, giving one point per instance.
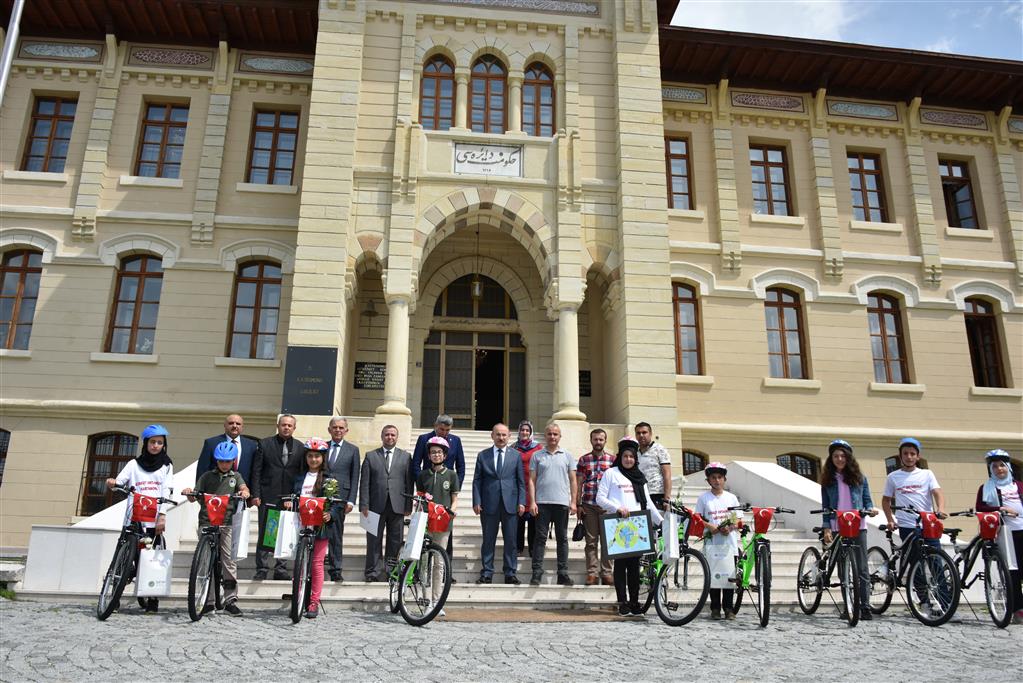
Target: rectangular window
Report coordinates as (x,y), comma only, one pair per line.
(959,202)
(866,185)
(985,350)
(162,142)
(677,160)
(688,353)
(136,306)
(886,341)
(770,180)
(255,311)
(272,150)
(49,133)
(785,347)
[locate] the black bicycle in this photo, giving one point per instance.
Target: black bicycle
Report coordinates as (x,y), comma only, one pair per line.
(682,585)
(125,561)
(994,572)
(816,571)
(302,577)
(205,568)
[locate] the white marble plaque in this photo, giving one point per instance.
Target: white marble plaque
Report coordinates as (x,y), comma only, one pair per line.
(502,160)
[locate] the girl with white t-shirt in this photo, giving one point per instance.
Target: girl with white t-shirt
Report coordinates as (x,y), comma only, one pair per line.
(713,507)
(1003,492)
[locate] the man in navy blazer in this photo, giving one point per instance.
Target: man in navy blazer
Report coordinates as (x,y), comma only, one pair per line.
(456,457)
(247,447)
(499,496)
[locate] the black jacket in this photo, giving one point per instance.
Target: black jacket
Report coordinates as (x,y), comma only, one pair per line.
(271,478)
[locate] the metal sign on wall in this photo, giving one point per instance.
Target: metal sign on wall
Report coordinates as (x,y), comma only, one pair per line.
(501,160)
(309,373)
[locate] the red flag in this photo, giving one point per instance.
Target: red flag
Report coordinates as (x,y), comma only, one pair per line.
(143,508)
(216,508)
(437,519)
(310,510)
(989,523)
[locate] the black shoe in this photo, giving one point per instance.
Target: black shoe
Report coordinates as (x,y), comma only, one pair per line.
(513,580)
(311,613)
(208,609)
(866,615)
(284,576)
(260,576)
(152,606)
(623,610)
(337,579)
(564,580)
(534,580)
(635,610)
(233,610)
(484,579)
(453,580)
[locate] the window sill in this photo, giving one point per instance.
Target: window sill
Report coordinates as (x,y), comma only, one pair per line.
(871,226)
(997,392)
(777,221)
(15,353)
(969,233)
(225,362)
(687,214)
(893,388)
(782,383)
(144,181)
(266,188)
(143,358)
(695,380)
(36,176)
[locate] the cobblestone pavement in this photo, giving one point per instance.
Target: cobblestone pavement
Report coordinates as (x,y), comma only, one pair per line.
(48,641)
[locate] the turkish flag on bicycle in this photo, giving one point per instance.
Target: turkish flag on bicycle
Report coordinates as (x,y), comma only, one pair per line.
(310,510)
(143,508)
(438,520)
(216,508)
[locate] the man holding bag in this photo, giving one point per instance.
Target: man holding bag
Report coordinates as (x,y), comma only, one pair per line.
(277,462)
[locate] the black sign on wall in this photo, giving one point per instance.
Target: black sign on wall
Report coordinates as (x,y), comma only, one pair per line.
(585,384)
(369,375)
(309,373)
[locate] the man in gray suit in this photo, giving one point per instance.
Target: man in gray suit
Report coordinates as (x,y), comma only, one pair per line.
(343,464)
(386,481)
(499,494)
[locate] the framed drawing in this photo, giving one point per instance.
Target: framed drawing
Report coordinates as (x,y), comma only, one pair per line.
(627,536)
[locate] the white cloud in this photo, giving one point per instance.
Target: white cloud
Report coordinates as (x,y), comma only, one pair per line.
(943,44)
(818,19)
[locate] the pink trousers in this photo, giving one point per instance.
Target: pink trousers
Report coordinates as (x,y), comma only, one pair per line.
(319,552)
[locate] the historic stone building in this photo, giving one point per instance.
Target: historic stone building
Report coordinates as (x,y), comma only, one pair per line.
(498,209)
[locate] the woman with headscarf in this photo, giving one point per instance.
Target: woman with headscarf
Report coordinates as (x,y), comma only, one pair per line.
(623,490)
(526,447)
(1002,492)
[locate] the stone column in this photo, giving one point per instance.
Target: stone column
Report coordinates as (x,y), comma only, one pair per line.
(567,332)
(396,378)
(461,98)
(514,104)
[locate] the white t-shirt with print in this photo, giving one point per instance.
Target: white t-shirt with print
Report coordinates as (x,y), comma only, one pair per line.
(153,484)
(309,483)
(911,489)
(1010,499)
(714,509)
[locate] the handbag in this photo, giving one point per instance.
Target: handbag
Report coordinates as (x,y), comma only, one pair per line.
(287,536)
(669,532)
(413,547)
(579,532)
(240,526)
(154,573)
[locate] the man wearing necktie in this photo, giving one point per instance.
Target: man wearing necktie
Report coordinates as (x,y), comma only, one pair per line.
(278,461)
(343,465)
(385,482)
(245,449)
(499,496)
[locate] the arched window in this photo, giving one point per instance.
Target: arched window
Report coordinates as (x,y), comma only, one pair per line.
(456,300)
(437,94)
(985,347)
(688,350)
(538,101)
(488,98)
(693,462)
(255,310)
(136,305)
(108,453)
(5,441)
(785,339)
(886,340)
(20,272)
(803,465)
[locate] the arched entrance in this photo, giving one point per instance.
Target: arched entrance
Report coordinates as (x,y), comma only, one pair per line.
(474,357)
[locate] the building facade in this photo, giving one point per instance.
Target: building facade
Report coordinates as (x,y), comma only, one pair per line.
(500,209)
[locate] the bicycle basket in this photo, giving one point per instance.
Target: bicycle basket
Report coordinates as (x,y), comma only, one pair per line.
(310,510)
(849,523)
(989,523)
(762,519)
(216,508)
(696,526)
(143,508)
(438,520)
(931,525)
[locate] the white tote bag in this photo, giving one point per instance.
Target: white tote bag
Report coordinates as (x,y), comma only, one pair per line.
(413,547)
(154,574)
(241,524)
(669,533)
(1007,548)
(721,558)
(287,535)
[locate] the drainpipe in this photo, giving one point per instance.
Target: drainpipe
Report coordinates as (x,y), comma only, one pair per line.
(10,45)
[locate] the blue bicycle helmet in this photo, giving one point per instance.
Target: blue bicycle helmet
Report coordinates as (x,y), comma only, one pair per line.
(225,450)
(840,443)
(910,441)
(997,454)
(154,430)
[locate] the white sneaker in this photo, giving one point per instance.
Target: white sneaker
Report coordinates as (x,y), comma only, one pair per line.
(442,613)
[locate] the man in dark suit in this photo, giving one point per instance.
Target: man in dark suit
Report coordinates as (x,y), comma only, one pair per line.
(385,482)
(246,446)
(277,462)
(343,463)
(499,494)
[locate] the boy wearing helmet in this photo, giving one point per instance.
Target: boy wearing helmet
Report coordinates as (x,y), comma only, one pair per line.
(222,480)
(713,507)
(913,487)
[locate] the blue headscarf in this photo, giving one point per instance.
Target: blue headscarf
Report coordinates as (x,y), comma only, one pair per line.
(990,495)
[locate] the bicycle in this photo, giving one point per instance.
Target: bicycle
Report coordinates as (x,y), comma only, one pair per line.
(995,574)
(753,564)
(417,577)
(205,567)
(815,570)
(927,573)
(683,584)
(302,575)
(124,562)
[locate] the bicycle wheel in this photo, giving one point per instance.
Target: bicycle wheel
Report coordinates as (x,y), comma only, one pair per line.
(116,579)
(424,587)
(300,580)
(393,586)
(809,582)
(932,587)
(997,589)
(882,583)
(200,576)
(647,582)
(761,593)
(849,577)
(682,588)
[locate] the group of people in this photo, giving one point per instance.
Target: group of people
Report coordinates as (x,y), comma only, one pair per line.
(522,488)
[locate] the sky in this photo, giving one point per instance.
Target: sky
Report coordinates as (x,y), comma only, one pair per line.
(984,28)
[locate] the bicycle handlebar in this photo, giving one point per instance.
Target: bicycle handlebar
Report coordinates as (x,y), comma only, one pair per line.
(831,511)
(131,489)
(963,513)
(747,507)
(291,497)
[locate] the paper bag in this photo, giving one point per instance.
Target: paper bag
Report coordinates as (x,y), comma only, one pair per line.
(240,525)
(154,574)
(1008,549)
(669,533)
(287,536)
(273,518)
(413,547)
(721,558)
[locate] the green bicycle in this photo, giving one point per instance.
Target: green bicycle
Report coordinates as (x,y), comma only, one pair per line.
(753,564)
(419,587)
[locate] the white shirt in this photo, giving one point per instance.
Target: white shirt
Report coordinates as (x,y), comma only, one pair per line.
(911,489)
(714,509)
(650,462)
(1010,499)
(616,491)
(309,483)
(154,484)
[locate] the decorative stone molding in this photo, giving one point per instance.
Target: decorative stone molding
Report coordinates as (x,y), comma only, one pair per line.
(502,274)
(113,249)
(672,93)
(989,290)
(909,292)
(33,239)
(863,110)
(288,65)
(687,271)
(61,51)
(590,8)
(757,100)
(243,250)
(782,276)
(955,119)
(201,59)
